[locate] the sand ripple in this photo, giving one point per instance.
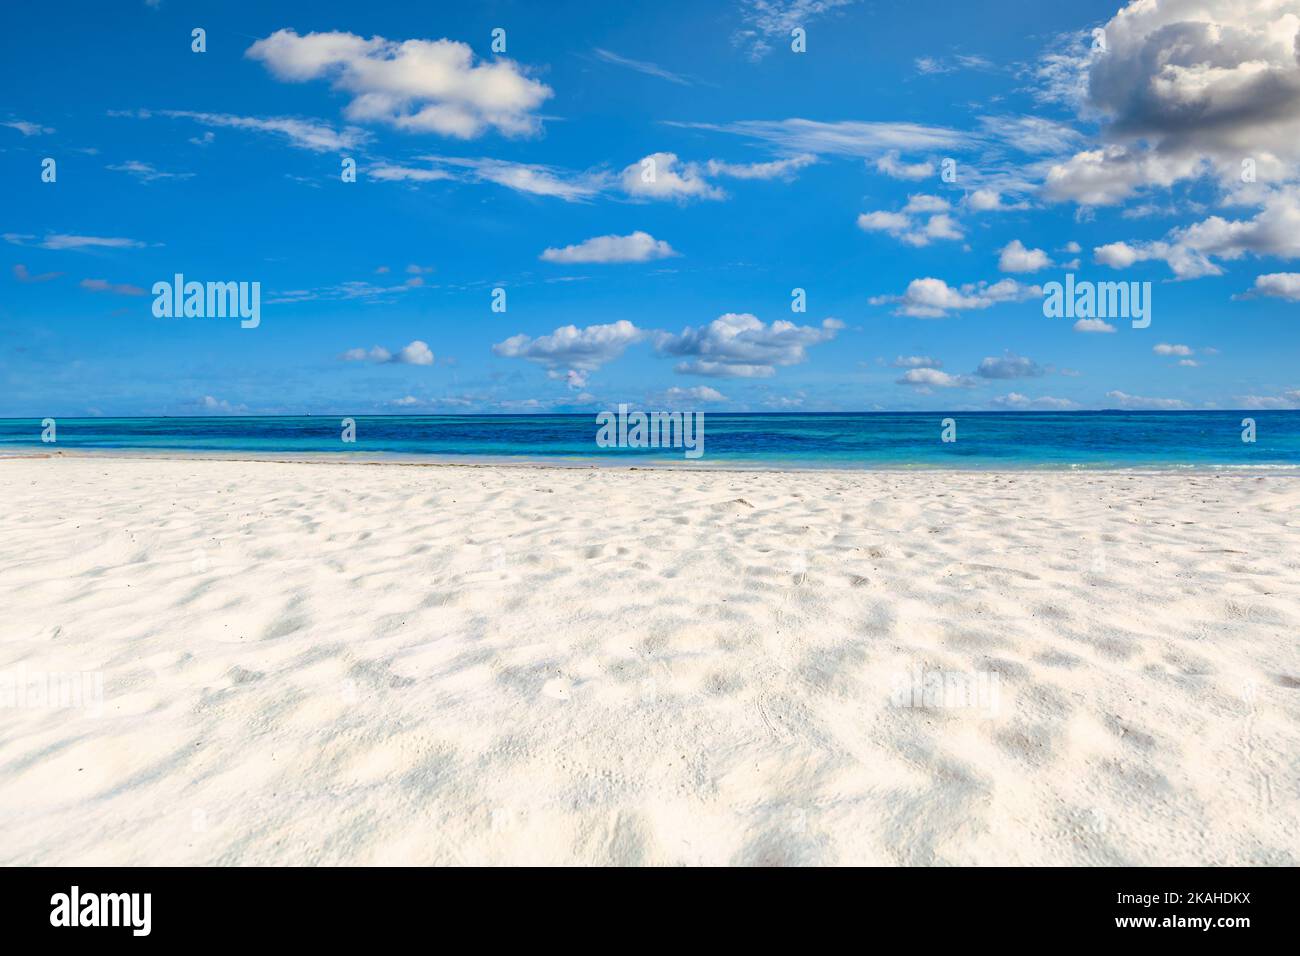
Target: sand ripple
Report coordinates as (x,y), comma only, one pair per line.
(316,663)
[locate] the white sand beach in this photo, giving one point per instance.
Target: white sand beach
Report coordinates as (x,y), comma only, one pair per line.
(312,663)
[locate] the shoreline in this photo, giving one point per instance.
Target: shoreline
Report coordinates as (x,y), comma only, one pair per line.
(603,464)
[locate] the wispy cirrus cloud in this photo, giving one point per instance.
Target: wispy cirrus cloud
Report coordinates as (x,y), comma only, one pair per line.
(1035,135)
(26,128)
(146,172)
(765,22)
(1288,399)
(932,65)
(392,173)
(312,135)
(23,275)
(883,145)
(917,361)
(641,66)
(892,166)
(775,169)
(530,178)
(344,291)
(1124,400)
(1041,403)
(844,138)
(659,176)
(60,241)
(113,288)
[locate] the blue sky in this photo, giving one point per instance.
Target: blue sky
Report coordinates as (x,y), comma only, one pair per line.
(1117,159)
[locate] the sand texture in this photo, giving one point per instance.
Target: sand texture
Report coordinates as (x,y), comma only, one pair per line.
(317,663)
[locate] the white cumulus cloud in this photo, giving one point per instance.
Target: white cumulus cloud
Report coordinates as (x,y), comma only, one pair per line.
(739,345)
(585,349)
(1016,258)
(911,226)
(416,352)
(1008,366)
(1093,325)
(1182,88)
(925,379)
(696,393)
(636,247)
(664,176)
(1281,285)
(1124,400)
(418,86)
(1042,402)
(931,298)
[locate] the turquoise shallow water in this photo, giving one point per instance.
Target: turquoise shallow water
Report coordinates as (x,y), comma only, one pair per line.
(841,440)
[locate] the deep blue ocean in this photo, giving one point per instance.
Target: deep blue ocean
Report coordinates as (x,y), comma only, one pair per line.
(835,440)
